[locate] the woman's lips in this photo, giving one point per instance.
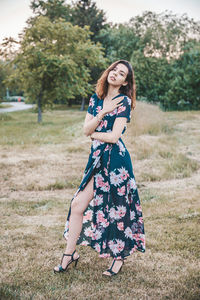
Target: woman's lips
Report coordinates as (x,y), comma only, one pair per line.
(112,78)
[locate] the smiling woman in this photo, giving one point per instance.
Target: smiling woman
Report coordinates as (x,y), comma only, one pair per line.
(105,212)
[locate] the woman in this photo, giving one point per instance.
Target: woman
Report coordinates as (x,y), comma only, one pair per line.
(105,212)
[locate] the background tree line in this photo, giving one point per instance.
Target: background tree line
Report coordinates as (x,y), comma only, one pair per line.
(65,46)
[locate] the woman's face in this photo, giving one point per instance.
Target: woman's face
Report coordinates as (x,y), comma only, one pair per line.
(117,76)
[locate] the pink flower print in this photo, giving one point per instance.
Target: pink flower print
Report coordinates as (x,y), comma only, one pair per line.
(112,213)
(88,216)
(100,216)
(105,224)
(133,184)
(136,237)
(120,226)
(117,246)
(96,153)
(104,245)
(98,109)
(91,102)
(128,233)
(121,211)
(123,173)
(128,187)
(121,109)
(97,247)
(140,220)
(115,179)
(105,187)
(121,146)
(105,171)
(132,215)
(138,207)
(99,180)
(84,243)
(105,123)
(112,246)
(121,191)
(98,200)
(96,143)
(97,235)
(112,113)
(142,238)
(120,245)
(107,148)
(88,231)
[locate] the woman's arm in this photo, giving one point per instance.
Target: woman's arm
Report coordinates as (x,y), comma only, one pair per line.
(114,135)
(91,122)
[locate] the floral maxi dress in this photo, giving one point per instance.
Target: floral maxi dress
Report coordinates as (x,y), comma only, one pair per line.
(112,222)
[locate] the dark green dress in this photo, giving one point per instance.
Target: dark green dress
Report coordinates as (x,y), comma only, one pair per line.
(112,222)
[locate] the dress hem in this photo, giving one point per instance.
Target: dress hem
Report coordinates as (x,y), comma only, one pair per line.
(108,255)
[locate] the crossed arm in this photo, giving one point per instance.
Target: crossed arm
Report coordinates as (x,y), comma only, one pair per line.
(91,123)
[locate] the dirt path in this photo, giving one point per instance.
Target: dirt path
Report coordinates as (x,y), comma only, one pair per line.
(16,106)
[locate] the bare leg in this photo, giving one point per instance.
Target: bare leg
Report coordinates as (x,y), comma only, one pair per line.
(78,206)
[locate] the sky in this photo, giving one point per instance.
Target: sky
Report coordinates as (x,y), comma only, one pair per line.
(14,13)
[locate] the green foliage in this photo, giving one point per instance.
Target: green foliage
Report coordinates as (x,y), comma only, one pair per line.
(164,34)
(54,60)
(184,84)
(53,9)
(85,12)
(151,75)
(119,42)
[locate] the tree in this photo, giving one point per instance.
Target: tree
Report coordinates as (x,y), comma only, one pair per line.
(151,74)
(164,34)
(82,13)
(54,61)
(184,84)
(85,12)
(53,9)
(119,42)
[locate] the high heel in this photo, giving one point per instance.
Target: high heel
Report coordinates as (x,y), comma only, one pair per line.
(61,269)
(112,273)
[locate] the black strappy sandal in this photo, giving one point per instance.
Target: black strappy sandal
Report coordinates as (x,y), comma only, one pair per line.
(60,270)
(110,269)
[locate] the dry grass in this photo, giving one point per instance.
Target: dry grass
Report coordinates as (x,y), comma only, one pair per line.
(41,167)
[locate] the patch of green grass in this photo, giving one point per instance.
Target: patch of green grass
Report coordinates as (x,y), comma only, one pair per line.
(5,105)
(24,208)
(5,117)
(72,182)
(64,126)
(75,149)
(10,292)
(180,166)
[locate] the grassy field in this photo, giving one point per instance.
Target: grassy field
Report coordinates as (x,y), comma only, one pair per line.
(41,167)
(5,105)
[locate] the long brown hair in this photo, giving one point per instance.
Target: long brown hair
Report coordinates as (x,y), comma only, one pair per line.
(128,90)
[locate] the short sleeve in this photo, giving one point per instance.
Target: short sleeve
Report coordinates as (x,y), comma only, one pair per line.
(124,110)
(91,105)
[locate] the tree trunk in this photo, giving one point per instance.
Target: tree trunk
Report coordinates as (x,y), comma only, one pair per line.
(83,104)
(40,108)
(70,102)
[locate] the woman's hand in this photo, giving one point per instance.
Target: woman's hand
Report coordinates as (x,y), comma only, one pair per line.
(109,106)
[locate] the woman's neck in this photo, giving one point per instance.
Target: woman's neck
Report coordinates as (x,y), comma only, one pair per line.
(112,92)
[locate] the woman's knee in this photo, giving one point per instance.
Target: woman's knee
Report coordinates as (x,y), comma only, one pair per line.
(76,207)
